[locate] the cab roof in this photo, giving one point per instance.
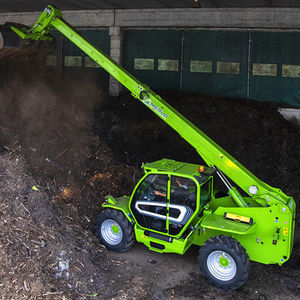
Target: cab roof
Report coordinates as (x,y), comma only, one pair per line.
(172,166)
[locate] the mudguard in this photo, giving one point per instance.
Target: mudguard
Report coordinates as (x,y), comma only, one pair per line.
(120,203)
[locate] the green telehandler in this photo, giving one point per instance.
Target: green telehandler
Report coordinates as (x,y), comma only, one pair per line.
(175,205)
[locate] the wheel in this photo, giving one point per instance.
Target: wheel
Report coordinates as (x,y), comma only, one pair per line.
(114,230)
(224,262)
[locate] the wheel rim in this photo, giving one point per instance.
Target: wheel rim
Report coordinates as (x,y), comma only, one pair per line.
(111,232)
(221,265)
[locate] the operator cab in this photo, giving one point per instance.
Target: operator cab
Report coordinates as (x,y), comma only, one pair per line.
(169,195)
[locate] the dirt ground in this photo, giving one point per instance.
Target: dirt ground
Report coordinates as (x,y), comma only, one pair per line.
(64,145)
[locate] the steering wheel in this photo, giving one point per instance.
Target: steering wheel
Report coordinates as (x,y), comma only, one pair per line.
(148,194)
(150,190)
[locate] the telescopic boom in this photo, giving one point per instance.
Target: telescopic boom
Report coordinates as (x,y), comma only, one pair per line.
(211,153)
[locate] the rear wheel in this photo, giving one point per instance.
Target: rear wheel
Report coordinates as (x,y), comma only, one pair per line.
(224,262)
(114,230)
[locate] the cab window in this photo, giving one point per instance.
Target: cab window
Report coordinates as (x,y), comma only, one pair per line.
(183,202)
(149,202)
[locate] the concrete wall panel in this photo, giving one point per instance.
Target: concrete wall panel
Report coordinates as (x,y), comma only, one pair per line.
(272,18)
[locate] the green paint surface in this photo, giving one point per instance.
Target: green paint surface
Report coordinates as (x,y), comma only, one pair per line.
(115,229)
(223,261)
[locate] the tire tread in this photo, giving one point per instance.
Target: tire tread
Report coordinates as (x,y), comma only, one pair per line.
(127,228)
(231,245)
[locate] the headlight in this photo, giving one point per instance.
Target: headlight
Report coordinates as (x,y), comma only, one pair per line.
(253,189)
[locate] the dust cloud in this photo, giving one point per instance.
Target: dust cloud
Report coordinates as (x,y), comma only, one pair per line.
(50,115)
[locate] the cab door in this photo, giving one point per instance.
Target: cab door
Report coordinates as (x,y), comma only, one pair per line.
(183,203)
(149,203)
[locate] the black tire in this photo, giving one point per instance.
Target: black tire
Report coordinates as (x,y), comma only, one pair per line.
(219,267)
(110,220)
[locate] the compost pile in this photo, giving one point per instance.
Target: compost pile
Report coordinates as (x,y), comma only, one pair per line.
(54,175)
(65,145)
(253,132)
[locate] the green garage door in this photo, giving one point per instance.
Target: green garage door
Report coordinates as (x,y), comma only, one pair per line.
(275,63)
(153,56)
(76,61)
(256,65)
(215,63)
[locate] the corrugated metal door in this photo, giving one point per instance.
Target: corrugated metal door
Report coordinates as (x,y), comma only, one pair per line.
(246,64)
(215,63)
(76,61)
(153,56)
(275,67)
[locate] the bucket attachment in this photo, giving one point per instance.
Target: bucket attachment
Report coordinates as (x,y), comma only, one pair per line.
(13,47)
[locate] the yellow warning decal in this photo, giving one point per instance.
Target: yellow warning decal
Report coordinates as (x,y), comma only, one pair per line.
(285,231)
(238,218)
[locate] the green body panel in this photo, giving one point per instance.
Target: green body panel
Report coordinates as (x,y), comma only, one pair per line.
(178,246)
(274,224)
(217,222)
(268,240)
(268,220)
(120,203)
(172,167)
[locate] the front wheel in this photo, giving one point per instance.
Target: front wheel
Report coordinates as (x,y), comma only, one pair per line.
(114,230)
(224,262)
